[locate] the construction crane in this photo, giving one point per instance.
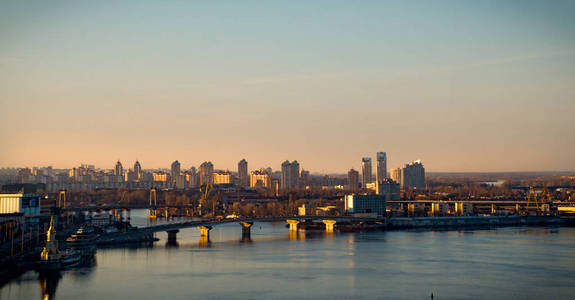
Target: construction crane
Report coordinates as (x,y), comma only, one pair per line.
(205,196)
(542,198)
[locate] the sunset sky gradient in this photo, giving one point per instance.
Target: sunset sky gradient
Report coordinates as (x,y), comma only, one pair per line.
(461,85)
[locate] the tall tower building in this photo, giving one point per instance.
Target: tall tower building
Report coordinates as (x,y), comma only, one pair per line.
(381,166)
(381,171)
(243,173)
(175,170)
(365,171)
(206,170)
(137,171)
(119,170)
(304,178)
(353,180)
(289,174)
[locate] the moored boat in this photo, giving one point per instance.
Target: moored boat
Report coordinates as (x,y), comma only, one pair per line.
(54,259)
(84,236)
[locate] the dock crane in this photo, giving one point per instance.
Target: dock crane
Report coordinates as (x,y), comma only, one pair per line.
(205,196)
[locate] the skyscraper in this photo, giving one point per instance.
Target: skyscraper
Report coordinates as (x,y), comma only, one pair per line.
(289,174)
(381,171)
(243,173)
(175,170)
(137,171)
(381,166)
(206,170)
(353,180)
(119,170)
(365,171)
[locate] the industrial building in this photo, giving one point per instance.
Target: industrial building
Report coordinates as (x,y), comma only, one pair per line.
(26,203)
(365,204)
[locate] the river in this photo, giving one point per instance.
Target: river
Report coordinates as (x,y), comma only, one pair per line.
(503,263)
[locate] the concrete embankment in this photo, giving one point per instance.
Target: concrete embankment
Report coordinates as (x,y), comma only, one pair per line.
(473,221)
(133,236)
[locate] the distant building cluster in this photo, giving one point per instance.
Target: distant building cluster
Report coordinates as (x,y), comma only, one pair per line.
(291,176)
(385,188)
(412,175)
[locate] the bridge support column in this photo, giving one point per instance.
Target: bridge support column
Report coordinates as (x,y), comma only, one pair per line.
(172,236)
(205,231)
(246,229)
(329,225)
(293,225)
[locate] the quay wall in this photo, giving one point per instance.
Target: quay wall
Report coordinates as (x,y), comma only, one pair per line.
(472,221)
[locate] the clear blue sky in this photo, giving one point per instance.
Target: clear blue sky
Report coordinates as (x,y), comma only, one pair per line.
(462,85)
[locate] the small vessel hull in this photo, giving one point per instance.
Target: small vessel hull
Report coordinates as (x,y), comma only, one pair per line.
(65,262)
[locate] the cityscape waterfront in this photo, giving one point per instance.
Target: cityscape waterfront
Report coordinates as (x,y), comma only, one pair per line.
(322,149)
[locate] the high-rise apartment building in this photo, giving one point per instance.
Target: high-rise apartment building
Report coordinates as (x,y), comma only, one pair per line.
(193,177)
(206,170)
(396,175)
(243,176)
(175,170)
(381,171)
(353,180)
(413,175)
(289,174)
(118,169)
(381,166)
(137,171)
(365,171)
(304,178)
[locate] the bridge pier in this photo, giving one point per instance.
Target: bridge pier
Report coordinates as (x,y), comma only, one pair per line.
(329,225)
(152,213)
(293,225)
(246,229)
(205,231)
(172,240)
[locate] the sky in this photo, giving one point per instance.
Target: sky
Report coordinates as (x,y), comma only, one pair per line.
(462,85)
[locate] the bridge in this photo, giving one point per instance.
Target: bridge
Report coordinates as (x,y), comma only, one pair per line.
(295,223)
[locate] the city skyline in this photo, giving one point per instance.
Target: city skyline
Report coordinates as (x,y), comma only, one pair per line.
(271,81)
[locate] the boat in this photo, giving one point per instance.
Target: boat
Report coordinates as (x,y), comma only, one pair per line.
(84,241)
(66,259)
(84,236)
(52,258)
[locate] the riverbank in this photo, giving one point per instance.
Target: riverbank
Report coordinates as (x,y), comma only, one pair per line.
(475,221)
(128,237)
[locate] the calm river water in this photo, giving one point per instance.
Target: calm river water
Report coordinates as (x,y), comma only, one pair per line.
(505,263)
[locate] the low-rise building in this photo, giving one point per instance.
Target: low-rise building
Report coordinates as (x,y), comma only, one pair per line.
(221,177)
(365,204)
(28,204)
(260,178)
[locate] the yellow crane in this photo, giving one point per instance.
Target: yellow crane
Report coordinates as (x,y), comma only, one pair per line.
(206,195)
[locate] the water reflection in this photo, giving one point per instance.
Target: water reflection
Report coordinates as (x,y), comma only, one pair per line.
(49,284)
(172,244)
(274,263)
(204,242)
